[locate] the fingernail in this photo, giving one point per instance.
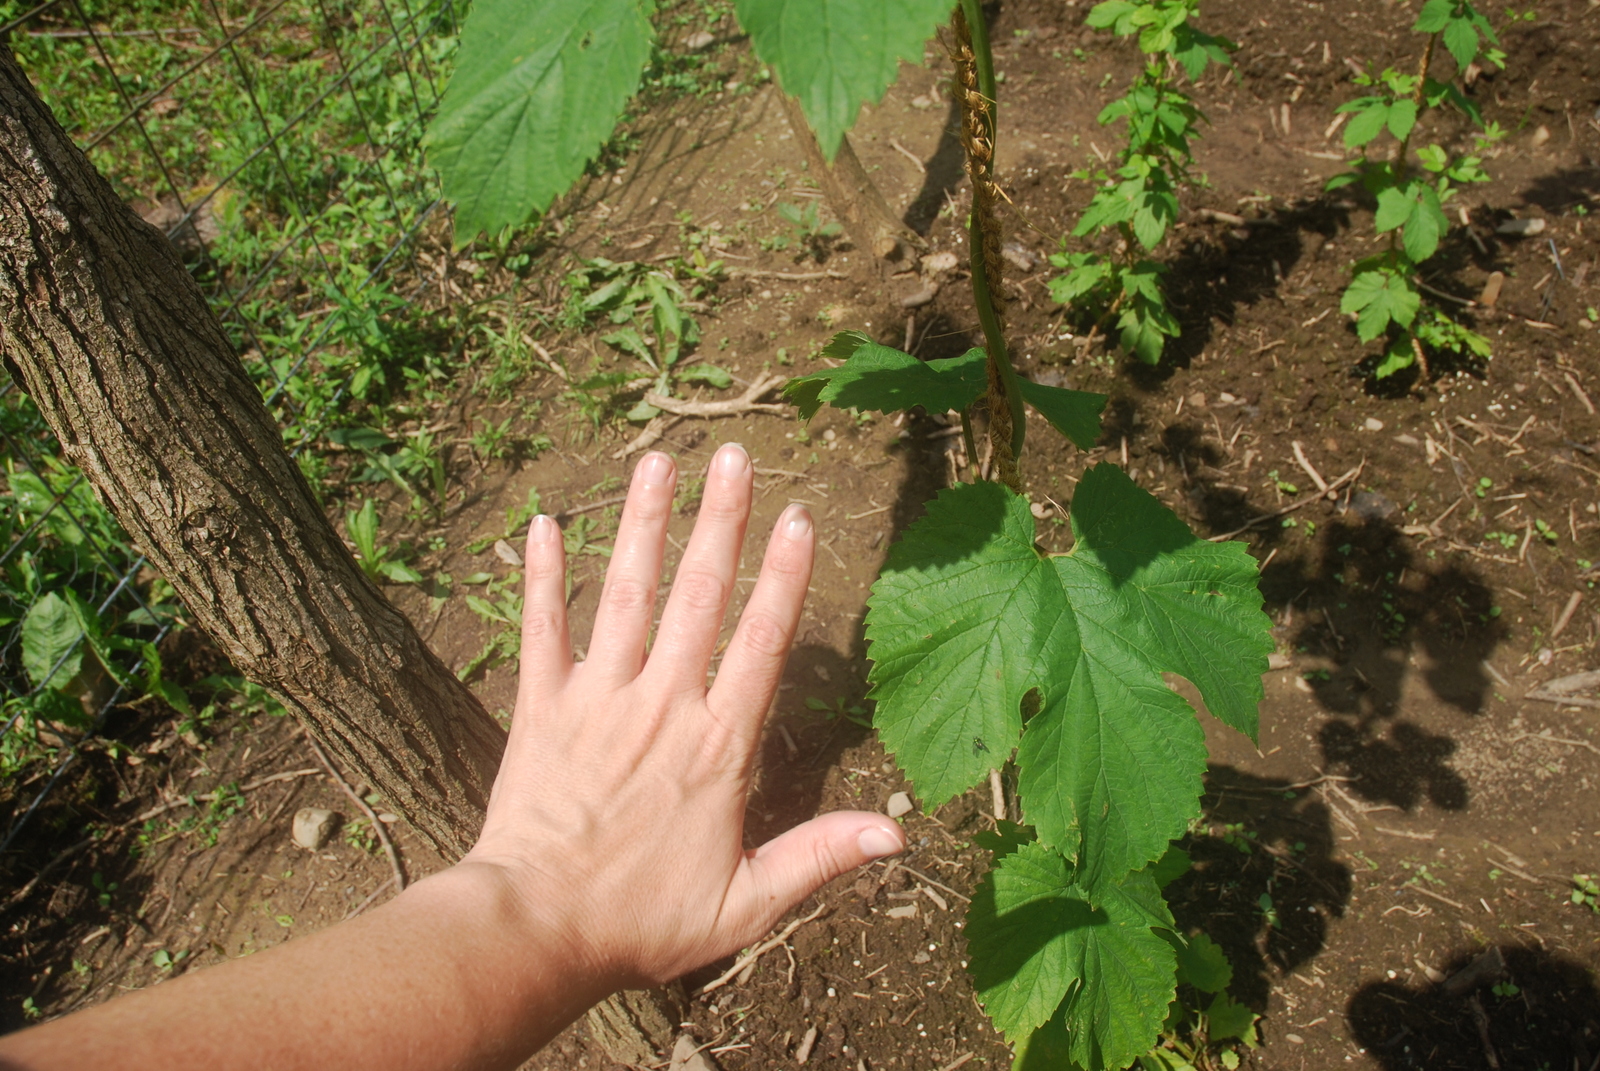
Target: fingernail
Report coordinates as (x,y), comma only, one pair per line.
(731,460)
(543,530)
(655,469)
(796,522)
(876,842)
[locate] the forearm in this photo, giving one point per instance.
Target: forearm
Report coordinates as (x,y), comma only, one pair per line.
(451,974)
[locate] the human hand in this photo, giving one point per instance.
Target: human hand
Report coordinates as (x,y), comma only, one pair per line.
(618,814)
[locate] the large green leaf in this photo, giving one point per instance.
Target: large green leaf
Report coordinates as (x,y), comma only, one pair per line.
(1043,949)
(537,90)
(885,380)
(51,649)
(833,56)
(968,618)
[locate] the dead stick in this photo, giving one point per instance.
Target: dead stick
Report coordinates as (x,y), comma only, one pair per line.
(1291,507)
(1310,470)
(372,816)
(757,952)
(1566,614)
(208,797)
(745,403)
(1572,381)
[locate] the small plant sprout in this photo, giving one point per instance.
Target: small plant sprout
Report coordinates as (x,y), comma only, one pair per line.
(1137,202)
(1586,891)
(1411,191)
(378,561)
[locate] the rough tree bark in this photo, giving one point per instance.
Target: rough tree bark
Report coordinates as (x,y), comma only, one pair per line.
(102,325)
(850,191)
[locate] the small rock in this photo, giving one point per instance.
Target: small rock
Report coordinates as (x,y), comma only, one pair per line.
(313,826)
(904,911)
(1546,656)
(1540,136)
(1039,510)
(1370,506)
(388,819)
(922,101)
(822,673)
(922,297)
(1303,684)
(1227,399)
(1018,256)
(507,553)
(1275,660)
(687,1056)
(899,804)
(829,435)
(1294,1039)
(1522,228)
(697,41)
(803,1053)
(1491,289)
(921,957)
(1407,440)
(1372,424)
(939,262)
(1331,445)
(1197,400)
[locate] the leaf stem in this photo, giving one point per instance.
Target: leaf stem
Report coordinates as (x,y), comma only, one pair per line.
(972,448)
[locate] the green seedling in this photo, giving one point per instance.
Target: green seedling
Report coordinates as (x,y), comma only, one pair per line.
(378,561)
(1137,201)
(1412,190)
(1586,891)
(839,709)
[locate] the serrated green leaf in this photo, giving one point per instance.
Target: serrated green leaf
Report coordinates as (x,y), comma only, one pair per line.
(968,617)
(1425,225)
(1041,948)
(52,652)
(1434,16)
(1396,358)
(1369,122)
(1394,207)
(1379,297)
(1087,272)
(1401,118)
(1201,962)
(1173,864)
(886,380)
(1227,1018)
(833,56)
(538,88)
(1461,38)
(1074,413)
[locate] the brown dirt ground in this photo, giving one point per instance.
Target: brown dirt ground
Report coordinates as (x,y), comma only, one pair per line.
(1410,807)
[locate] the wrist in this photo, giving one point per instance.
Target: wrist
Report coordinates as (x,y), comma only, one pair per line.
(511,948)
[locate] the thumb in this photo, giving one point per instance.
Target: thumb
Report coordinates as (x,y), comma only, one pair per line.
(793,865)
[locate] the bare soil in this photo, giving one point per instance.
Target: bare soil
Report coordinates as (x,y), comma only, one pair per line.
(1408,808)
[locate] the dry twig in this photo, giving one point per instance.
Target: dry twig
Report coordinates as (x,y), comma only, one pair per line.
(757,952)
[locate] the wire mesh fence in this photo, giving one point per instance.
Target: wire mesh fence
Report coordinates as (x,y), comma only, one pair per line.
(278,145)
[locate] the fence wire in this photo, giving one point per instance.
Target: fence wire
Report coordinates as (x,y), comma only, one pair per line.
(278,144)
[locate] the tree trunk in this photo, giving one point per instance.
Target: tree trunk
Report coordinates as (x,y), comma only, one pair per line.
(850,191)
(104,327)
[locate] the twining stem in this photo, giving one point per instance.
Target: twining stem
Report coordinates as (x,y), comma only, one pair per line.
(975,90)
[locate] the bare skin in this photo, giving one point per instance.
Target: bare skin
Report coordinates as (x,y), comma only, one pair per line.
(611,856)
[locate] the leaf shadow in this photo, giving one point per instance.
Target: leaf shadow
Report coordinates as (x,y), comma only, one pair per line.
(1261,837)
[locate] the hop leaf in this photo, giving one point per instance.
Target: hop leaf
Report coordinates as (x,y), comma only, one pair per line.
(1380,294)
(1095,969)
(833,56)
(537,90)
(968,618)
(883,379)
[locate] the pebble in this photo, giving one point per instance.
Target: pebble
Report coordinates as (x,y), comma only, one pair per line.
(312,827)
(507,553)
(1373,424)
(899,804)
(1522,228)
(829,435)
(1490,295)
(1278,660)
(939,262)
(696,41)
(687,1056)
(1294,1039)
(904,911)
(1039,510)
(922,101)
